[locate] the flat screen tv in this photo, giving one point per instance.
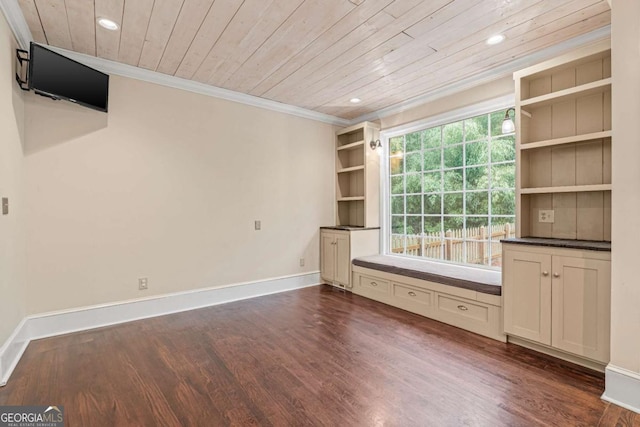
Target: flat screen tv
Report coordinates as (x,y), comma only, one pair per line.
(58,77)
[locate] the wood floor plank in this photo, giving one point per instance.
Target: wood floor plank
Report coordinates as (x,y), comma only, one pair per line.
(316,356)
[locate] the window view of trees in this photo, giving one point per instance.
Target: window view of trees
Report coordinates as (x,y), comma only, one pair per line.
(452,191)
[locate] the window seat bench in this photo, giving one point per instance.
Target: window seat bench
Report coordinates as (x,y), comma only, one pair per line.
(460,296)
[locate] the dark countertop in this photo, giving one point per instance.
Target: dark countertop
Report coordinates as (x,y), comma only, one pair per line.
(348,228)
(561,243)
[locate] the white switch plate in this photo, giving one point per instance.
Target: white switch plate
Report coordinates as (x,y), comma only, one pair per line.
(143,284)
(545,216)
(301,262)
(258,225)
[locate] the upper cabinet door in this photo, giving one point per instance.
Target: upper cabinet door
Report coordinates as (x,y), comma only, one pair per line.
(581,306)
(526,290)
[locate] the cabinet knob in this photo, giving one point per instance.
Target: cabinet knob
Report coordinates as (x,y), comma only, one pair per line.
(411,293)
(556,274)
(545,273)
(462,308)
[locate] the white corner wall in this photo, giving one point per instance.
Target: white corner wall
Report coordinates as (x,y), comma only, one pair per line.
(167,186)
(12,253)
(623,373)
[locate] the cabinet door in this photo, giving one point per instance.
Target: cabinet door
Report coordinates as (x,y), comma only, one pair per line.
(527,295)
(343,260)
(581,306)
(327,256)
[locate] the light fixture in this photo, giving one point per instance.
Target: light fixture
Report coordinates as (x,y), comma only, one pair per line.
(507,124)
(355,100)
(495,39)
(108,24)
(376,145)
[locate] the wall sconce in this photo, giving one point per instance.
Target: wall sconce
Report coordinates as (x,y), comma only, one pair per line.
(507,124)
(376,145)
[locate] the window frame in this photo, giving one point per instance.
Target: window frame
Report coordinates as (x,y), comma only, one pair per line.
(451,116)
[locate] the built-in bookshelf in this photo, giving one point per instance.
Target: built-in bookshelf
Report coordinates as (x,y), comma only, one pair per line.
(563,140)
(357,176)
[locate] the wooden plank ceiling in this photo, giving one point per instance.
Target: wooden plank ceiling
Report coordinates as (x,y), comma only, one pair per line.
(316,54)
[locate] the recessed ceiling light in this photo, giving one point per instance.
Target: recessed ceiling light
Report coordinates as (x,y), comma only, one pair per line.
(108,24)
(355,100)
(495,39)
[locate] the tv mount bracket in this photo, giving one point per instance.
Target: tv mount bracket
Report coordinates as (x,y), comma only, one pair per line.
(22,71)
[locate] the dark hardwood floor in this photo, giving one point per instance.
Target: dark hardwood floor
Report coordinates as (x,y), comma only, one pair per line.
(316,356)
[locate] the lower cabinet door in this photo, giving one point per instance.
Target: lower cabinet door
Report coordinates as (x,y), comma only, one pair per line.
(343,260)
(327,256)
(526,289)
(581,306)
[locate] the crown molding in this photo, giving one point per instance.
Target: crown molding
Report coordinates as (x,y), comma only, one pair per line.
(490,75)
(125,70)
(17,23)
(13,13)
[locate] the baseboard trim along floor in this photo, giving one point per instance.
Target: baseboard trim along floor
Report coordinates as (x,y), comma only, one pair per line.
(622,388)
(84,318)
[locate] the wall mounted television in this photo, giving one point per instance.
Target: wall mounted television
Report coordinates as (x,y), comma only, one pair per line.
(58,77)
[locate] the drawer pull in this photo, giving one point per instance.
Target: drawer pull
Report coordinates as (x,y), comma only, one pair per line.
(556,275)
(462,308)
(545,273)
(411,293)
(374,284)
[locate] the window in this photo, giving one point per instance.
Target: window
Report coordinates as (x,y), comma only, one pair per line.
(452,191)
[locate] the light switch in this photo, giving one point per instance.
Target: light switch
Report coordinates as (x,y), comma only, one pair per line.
(258,225)
(5,206)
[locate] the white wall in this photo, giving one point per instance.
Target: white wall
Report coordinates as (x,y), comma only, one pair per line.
(12,254)
(625,277)
(475,95)
(167,186)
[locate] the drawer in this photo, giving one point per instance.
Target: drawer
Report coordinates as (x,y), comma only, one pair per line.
(463,308)
(409,295)
(373,284)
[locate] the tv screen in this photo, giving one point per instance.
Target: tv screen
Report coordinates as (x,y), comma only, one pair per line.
(59,77)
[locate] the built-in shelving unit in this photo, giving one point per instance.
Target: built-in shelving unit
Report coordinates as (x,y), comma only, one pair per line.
(351,169)
(563,140)
(357,176)
(599,86)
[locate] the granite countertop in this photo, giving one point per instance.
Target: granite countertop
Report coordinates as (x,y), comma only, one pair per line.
(561,243)
(348,228)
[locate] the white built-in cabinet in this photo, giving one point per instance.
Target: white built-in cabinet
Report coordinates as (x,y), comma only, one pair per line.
(558,298)
(338,247)
(555,297)
(356,232)
(335,257)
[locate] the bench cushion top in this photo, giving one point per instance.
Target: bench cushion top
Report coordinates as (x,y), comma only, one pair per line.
(475,279)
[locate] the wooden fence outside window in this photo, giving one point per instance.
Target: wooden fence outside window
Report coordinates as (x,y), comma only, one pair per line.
(481,246)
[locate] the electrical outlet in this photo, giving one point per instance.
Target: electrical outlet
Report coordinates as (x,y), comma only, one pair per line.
(258,225)
(301,262)
(545,216)
(143,285)
(5,206)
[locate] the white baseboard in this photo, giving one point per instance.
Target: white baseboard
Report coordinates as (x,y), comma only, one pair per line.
(622,388)
(84,318)
(11,351)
